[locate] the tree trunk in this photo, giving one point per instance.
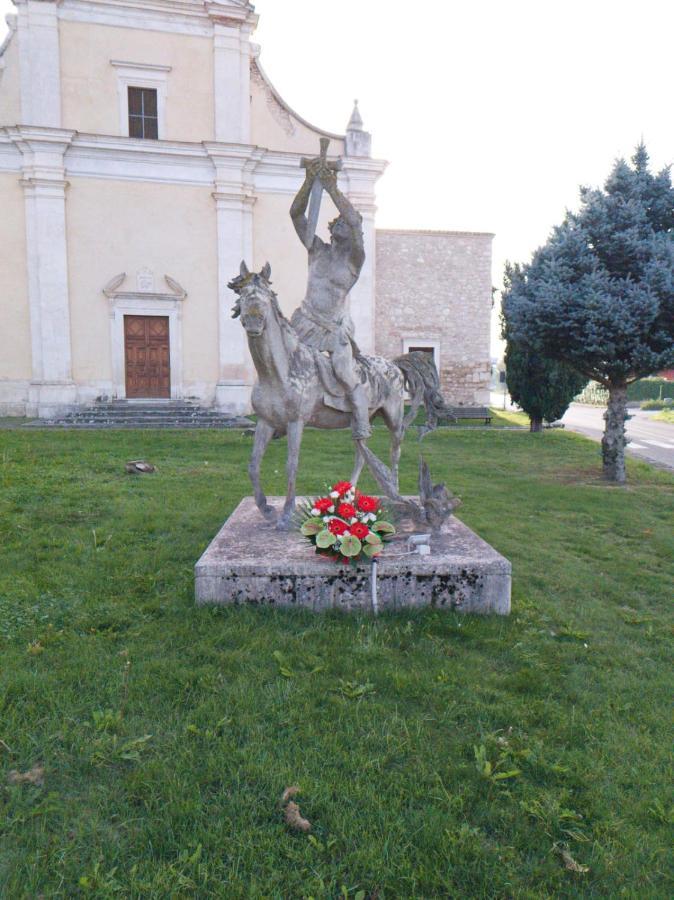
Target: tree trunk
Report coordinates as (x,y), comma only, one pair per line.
(613,441)
(535,423)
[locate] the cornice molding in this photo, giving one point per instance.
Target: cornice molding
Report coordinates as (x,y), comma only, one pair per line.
(195,17)
(144,67)
(112,292)
(228,169)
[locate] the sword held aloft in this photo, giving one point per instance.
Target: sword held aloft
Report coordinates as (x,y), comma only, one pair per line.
(317,187)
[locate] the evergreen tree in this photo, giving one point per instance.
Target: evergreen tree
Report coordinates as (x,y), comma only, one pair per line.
(599,295)
(542,387)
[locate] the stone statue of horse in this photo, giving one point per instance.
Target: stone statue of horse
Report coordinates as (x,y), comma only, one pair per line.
(295,388)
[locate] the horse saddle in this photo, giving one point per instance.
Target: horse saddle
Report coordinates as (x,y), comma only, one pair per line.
(335,395)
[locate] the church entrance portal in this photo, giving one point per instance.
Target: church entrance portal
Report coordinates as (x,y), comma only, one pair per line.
(146,356)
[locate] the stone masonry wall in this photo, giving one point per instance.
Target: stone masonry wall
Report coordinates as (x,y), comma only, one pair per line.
(434,289)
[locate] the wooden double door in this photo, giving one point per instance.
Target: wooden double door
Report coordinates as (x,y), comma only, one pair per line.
(147,357)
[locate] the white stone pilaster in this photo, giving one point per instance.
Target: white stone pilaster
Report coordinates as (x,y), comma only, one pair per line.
(43,149)
(360,176)
(39,62)
(231,76)
(234,199)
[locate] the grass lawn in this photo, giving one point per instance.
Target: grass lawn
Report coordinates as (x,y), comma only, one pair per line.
(667,415)
(438,756)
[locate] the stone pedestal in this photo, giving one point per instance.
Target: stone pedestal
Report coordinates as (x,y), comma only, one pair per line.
(250,562)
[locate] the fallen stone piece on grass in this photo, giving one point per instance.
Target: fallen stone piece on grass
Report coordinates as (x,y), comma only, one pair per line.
(139,467)
(292,814)
(32,776)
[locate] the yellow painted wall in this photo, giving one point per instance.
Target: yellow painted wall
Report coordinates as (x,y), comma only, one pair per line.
(274,127)
(275,241)
(10,88)
(116,226)
(89,82)
(15,349)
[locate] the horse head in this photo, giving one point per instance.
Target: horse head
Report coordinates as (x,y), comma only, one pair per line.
(254,298)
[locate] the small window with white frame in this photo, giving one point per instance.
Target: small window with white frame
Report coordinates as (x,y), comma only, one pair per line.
(423,345)
(143,121)
(142,91)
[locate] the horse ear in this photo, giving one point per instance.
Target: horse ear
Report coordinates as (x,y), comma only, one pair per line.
(266,271)
(243,269)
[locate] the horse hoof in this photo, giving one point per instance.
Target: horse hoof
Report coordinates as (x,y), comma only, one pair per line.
(269,513)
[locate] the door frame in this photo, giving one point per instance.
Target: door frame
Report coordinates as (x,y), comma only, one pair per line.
(145,305)
(164,344)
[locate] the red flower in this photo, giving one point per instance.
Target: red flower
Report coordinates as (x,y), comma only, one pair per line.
(342,487)
(336,526)
(324,504)
(346,510)
(367,504)
(359,530)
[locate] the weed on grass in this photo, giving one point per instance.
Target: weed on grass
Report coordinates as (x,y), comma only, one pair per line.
(438,755)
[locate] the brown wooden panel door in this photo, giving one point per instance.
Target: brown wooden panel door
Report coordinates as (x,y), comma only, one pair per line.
(146,353)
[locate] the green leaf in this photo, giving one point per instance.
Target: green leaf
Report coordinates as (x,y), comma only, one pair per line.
(383,527)
(373,539)
(350,545)
(312,526)
(325,539)
(500,776)
(371,550)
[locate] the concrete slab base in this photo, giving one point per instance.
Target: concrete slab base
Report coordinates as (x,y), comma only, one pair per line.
(248,561)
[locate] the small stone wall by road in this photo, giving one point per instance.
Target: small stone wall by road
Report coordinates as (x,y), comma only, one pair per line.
(434,289)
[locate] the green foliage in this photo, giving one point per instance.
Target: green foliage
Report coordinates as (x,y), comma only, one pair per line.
(650,389)
(376,719)
(325,539)
(542,387)
(599,295)
(350,545)
(658,404)
(312,526)
(383,527)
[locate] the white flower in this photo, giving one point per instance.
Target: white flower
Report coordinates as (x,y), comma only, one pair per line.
(334,494)
(315,512)
(331,509)
(326,518)
(351,521)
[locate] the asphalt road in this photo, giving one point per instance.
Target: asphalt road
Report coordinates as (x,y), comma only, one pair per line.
(649,439)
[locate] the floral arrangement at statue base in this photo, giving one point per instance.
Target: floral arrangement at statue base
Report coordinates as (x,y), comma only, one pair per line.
(346,525)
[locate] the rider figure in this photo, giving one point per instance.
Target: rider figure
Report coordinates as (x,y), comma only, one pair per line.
(322,321)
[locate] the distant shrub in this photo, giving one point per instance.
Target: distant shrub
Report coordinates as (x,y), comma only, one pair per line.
(644,389)
(650,389)
(658,404)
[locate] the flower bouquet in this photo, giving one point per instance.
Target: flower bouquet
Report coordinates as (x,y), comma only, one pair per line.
(346,525)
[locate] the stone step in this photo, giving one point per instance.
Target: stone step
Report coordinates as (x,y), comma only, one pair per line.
(145,415)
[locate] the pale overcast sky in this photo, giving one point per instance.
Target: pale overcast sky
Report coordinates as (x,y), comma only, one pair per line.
(490,113)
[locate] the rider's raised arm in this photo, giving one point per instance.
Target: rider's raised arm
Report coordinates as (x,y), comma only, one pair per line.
(350,215)
(299,208)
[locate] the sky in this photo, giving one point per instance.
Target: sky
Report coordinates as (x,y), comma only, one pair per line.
(491,114)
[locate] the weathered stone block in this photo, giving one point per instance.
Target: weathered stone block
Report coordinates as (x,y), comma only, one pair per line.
(250,562)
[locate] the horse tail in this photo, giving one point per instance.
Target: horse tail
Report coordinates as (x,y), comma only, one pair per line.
(423,385)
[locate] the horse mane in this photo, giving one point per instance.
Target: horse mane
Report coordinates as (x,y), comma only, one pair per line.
(241,281)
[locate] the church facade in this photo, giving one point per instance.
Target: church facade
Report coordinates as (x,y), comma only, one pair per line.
(143,154)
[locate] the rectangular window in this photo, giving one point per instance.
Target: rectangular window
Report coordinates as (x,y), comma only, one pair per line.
(143,119)
(429,350)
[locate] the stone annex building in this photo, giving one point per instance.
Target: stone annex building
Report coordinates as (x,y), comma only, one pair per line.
(143,154)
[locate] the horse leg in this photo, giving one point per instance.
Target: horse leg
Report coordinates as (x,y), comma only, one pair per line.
(395,424)
(263,434)
(358,464)
(295,430)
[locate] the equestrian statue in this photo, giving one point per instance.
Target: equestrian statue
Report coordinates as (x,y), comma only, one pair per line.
(310,370)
